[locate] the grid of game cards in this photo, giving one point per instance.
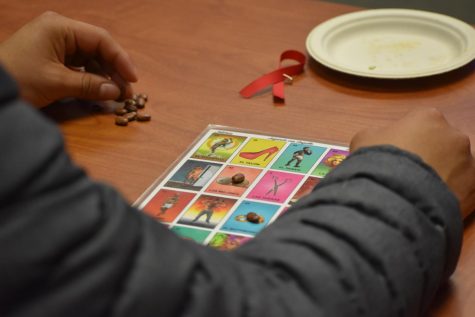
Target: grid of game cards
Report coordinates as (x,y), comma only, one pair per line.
(231,184)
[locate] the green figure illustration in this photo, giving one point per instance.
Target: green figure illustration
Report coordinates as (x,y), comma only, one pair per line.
(299,156)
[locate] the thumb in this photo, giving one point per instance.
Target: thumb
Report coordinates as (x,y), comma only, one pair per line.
(85,85)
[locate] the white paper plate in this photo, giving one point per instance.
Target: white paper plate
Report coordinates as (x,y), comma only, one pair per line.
(392,43)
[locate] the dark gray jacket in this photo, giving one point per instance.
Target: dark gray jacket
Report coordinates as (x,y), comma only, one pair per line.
(376,238)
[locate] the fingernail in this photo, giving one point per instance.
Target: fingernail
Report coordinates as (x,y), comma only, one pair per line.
(109,91)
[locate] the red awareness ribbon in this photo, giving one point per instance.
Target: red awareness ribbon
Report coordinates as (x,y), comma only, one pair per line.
(276,77)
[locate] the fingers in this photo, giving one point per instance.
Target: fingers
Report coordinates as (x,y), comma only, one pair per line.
(400,132)
(362,138)
(111,68)
(355,141)
(94,67)
(94,41)
(39,54)
(88,86)
(126,90)
(428,115)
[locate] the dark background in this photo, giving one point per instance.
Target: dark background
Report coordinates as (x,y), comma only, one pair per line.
(461,9)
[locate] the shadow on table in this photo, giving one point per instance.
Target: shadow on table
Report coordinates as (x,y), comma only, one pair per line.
(470,220)
(390,85)
(445,292)
(72,109)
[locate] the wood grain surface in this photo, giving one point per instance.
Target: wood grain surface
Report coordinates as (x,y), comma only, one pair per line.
(193,57)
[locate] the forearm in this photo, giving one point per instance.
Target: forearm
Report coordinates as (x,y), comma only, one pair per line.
(56,225)
(369,241)
(378,235)
(375,238)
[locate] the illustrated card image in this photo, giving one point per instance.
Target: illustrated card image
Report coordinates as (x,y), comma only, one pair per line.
(305,189)
(331,160)
(193,175)
(258,152)
(227,242)
(167,204)
(233,180)
(275,186)
(207,211)
(197,235)
(250,217)
(218,147)
(298,157)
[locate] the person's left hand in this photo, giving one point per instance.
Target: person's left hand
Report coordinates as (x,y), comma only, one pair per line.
(426,133)
(54,57)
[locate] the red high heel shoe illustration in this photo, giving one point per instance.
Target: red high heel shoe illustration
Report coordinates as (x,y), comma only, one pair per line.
(254,155)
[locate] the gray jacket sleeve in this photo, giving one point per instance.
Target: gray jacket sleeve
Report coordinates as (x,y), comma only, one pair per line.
(375,238)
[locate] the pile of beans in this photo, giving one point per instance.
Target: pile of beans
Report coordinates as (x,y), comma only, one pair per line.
(132,110)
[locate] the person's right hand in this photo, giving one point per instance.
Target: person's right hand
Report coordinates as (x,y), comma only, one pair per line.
(428,134)
(45,55)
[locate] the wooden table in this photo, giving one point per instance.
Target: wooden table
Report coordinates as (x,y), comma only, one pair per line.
(194,56)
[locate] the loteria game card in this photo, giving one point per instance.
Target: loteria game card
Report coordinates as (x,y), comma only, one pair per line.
(218,147)
(227,242)
(167,204)
(193,175)
(258,152)
(194,234)
(298,158)
(231,184)
(275,186)
(305,189)
(233,180)
(331,160)
(207,211)
(239,221)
